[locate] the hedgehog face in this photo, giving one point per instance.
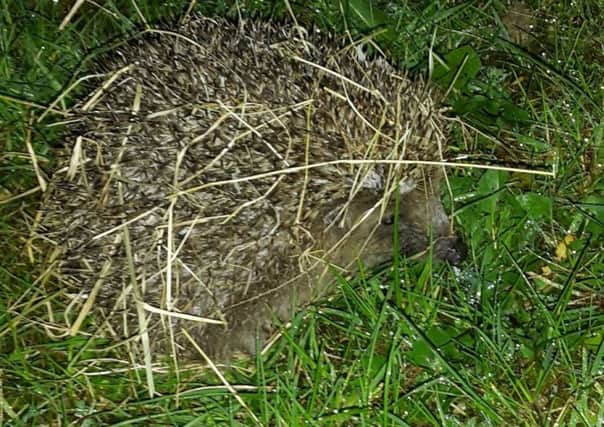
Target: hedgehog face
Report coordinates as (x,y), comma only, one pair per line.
(367,231)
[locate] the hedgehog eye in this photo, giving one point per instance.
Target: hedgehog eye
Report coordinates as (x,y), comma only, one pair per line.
(388,220)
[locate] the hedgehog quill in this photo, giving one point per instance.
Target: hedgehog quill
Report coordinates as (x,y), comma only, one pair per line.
(222,173)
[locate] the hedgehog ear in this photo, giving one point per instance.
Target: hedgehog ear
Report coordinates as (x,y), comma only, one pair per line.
(372,180)
(406,185)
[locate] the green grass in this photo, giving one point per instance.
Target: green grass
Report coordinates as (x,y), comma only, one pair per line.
(515,337)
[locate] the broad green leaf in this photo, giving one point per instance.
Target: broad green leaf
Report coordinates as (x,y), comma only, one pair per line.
(460,66)
(537,206)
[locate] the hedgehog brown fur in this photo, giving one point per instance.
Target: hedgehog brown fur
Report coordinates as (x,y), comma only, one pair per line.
(225,171)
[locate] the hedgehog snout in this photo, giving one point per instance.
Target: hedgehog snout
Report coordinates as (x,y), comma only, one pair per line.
(451,249)
(414,240)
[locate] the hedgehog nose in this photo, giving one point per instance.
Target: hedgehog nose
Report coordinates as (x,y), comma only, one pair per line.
(457,251)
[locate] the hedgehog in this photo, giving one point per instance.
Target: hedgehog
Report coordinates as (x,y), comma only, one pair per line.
(223,174)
